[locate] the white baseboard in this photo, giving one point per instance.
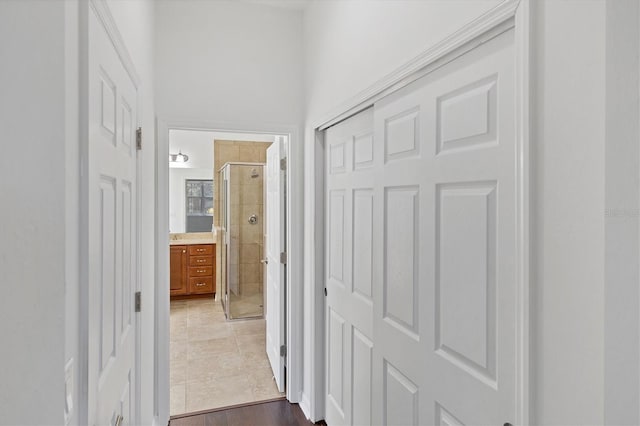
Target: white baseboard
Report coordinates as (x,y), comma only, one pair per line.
(158,422)
(305,405)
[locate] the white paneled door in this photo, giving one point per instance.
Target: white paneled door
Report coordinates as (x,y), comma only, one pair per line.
(349,269)
(112,221)
(275,269)
(422,240)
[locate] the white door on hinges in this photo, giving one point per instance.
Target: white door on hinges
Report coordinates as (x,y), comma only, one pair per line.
(111,231)
(275,245)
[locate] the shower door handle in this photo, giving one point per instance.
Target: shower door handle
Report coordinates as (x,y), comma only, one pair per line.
(264,261)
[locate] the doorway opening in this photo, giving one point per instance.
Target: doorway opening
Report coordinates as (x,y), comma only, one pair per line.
(221,328)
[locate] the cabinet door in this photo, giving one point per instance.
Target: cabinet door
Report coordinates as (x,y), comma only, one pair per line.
(178,268)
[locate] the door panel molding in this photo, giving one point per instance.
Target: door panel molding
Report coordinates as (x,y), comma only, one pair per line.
(100,10)
(510,14)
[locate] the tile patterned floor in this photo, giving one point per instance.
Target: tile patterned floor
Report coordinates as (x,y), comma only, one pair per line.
(216,363)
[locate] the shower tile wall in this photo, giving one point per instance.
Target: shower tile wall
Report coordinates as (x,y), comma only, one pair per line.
(250,192)
(248,195)
(235,152)
(245,250)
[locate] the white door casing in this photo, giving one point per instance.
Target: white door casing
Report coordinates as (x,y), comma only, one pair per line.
(112,228)
(349,268)
(275,270)
(440,183)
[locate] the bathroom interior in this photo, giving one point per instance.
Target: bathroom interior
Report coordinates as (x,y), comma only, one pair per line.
(217,327)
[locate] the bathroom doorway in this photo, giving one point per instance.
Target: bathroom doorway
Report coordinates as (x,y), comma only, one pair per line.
(217,326)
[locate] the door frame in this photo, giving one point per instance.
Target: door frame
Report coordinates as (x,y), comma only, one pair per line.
(510,14)
(107,21)
(294,301)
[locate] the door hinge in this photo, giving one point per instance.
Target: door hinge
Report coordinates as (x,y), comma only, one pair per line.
(283,350)
(139,138)
(283,163)
(138,302)
(283,257)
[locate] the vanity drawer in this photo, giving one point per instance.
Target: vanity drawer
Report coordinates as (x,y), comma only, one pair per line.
(201,250)
(200,285)
(200,260)
(200,271)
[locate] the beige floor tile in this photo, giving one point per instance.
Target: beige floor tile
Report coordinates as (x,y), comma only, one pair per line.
(201,369)
(256,360)
(178,304)
(266,392)
(177,399)
(215,367)
(209,331)
(206,319)
(249,327)
(251,343)
(178,352)
(216,363)
(263,384)
(178,319)
(206,306)
(205,348)
(220,393)
(178,330)
(178,312)
(177,372)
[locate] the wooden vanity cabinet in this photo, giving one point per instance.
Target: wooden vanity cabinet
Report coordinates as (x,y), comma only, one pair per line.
(192,270)
(178,270)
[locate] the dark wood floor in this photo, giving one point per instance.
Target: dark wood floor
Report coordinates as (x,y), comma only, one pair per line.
(273,413)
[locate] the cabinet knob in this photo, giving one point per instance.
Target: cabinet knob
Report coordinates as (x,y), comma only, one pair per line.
(184,251)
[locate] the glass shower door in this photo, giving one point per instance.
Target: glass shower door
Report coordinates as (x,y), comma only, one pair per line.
(243,223)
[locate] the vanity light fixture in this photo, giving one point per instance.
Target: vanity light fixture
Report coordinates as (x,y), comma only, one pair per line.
(178,158)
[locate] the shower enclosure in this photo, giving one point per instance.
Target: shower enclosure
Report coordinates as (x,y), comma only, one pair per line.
(242,227)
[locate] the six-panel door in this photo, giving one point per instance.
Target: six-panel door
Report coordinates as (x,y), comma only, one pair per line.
(111,231)
(421,241)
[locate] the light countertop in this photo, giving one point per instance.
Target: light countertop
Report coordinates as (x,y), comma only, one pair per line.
(191,238)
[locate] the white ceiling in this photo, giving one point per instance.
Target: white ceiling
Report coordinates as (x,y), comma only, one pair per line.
(283,4)
(198,145)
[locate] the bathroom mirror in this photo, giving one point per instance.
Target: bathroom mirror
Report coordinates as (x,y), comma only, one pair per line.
(191,181)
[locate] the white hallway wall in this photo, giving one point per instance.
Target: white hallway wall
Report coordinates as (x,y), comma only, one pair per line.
(349,45)
(39,250)
(586,212)
(228,62)
(585,157)
(622,156)
(32,260)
